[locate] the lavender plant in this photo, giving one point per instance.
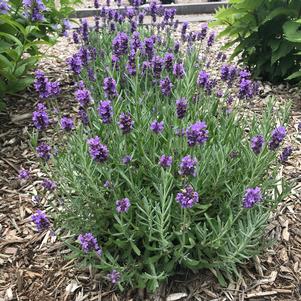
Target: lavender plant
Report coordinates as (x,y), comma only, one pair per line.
(162,171)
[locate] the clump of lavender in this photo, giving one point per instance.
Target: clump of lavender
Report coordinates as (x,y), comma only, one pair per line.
(49,185)
(75,63)
(181,107)
(114,276)
(257,144)
(166,86)
(120,44)
(157,63)
(168,61)
(83,116)
(67,123)
(287,151)
(251,197)
(23,174)
(109,86)
(83,95)
(99,152)
(105,111)
(127,159)
(126,123)
(43,151)
(41,221)
(34,10)
(187,197)
(197,133)
(203,78)
(188,166)
(203,32)
(157,126)
(211,38)
(246,89)
(165,161)
(40,117)
(123,205)
(89,243)
(278,135)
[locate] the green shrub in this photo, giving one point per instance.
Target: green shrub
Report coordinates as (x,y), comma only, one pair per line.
(261,32)
(22,31)
(161,174)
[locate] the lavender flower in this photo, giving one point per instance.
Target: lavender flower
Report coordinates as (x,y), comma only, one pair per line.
(23,174)
(120,44)
(187,166)
(96,4)
(33,10)
(184,28)
(177,47)
(43,151)
(43,86)
(49,185)
(75,37)
(287,151)
(246,90)
(197,133)
(105,111)
(149,47)
(99,152)
(126,123)
(89,243)
(157,63)
(244,74)
(211,38)
(165,161)
(202,34)
(83,116)
(187,197)
(85,30)
(67,123)
(4,7)
(168,60)
(166,86)
(75,63)
(123,205)
(181,106)
(251,197)
(278,135)
(114,276)
(203,78)
(257,144)
(109,86)
(126,159)
(178,70)
(115,62)
(40,117)
(157,127)
(41,221)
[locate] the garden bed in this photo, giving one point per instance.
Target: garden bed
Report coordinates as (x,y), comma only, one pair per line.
(34,266)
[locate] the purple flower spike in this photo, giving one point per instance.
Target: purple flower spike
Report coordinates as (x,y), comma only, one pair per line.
(23,174)
(126,159)
(83,116)
(257,144)
(126,123)
(168,61)
(89,243)
(187,166)
(178,70)
(99,152)
(166,86)
(251,197)
(67,123)
(40,117)
(43,151)
(197,133)
(83,95)
(109,86)
(49,185)
(278,135)
(4,7)
(120,44)
(41,221)
(211,39)
(165,161)
(287,151)
(75,63)
(157,127)
(114,276)
(203,78)
(181,105)
(123,205)
(187,197)
(105,111)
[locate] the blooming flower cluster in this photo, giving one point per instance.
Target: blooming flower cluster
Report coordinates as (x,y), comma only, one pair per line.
(278,135)
(44,87)
(41,221)
(40,117)
(187,197)
(251,197)
(34,9)
(99,152)
(89,243)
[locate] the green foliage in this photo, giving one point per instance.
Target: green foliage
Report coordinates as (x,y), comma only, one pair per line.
(266,35)
(157,237)
(20,39)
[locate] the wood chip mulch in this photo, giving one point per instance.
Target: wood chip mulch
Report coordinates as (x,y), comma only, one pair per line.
(35,266)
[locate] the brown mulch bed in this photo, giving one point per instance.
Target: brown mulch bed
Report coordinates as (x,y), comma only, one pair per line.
(35,266)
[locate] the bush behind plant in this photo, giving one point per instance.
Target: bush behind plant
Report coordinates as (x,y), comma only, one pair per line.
(264,34)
